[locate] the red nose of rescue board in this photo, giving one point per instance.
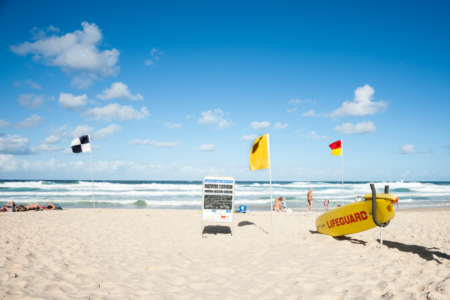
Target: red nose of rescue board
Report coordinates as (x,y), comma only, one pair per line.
(354,217)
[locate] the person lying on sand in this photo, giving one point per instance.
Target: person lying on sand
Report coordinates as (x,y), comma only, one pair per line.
(11,206)
(35,207)
(53,206)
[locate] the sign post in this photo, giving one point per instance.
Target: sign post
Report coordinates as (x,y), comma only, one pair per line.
(218,200)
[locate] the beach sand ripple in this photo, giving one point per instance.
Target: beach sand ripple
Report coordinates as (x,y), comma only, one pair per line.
(159,254)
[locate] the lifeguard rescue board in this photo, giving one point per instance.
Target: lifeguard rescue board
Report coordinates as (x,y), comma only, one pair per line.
(355,217)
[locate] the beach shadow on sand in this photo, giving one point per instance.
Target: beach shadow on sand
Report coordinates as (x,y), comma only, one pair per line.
(216,229)
(349,239)
(424,252)
(245,223)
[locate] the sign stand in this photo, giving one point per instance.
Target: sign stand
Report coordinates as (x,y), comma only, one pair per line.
(218,200)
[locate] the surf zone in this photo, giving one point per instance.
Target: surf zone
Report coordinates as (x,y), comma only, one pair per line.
(352,218)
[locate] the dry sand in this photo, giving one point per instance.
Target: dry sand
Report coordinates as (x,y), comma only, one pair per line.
(159,254)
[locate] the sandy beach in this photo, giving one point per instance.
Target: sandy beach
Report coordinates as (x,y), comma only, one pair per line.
(159,254)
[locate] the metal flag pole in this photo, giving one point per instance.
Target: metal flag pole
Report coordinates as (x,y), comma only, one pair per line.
(270,178)
(342,169)
(92,173)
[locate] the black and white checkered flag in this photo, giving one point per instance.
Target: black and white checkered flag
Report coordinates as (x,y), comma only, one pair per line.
(81,144)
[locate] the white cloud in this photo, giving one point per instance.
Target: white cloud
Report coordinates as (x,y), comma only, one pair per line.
(249,137)
(291,110)
(156,54)
(312,113)
(45,148)
(408,149)
(73,52)
(209,147)
(83,82)
(3,124)
(52,139)
(13,144)
(298,101)
(360,128)
(362,105)
(155,144)
(119,90)
(260,125)
(55,135)
(32,122)
(280,126)
(18,145)
(313,135)
(116,111)
(31,101)
(171,125)
(217,117)
(407,172)
(81,130)
(101,134)
(72,102)
(29,83)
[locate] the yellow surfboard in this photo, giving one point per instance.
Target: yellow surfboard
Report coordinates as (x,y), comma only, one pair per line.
(356,217)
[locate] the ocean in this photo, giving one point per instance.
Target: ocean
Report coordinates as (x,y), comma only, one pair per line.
(187,194)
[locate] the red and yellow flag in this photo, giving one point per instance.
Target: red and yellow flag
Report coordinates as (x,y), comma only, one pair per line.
(336,148)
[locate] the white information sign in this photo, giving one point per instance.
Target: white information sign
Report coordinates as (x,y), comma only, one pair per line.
(218,199)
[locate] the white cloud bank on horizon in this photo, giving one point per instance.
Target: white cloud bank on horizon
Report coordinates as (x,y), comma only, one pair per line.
(119,90)
(215,117)
(18,145)
(73,52)
(155,144)
(360,128)
(362,104)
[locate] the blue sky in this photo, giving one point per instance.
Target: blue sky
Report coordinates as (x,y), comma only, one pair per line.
(178,90)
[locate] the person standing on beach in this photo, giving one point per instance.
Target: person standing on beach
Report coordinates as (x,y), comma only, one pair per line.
(325,203)
(310,199)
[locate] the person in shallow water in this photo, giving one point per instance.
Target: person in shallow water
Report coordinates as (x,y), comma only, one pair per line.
(325,204)
(310,199)
(53,206)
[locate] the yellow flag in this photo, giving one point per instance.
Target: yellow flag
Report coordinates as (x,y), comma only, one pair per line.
(260,153)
